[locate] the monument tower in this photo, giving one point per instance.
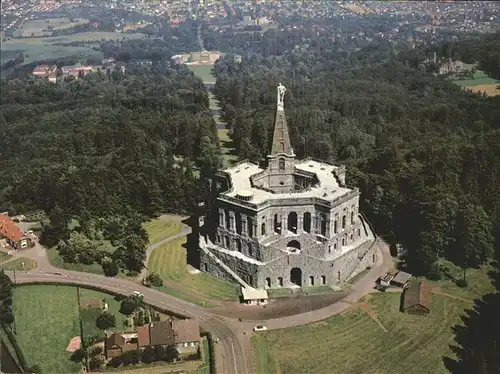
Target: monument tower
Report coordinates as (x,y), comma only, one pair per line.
(295,223)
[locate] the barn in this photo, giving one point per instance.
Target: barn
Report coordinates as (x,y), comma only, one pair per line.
(417,298)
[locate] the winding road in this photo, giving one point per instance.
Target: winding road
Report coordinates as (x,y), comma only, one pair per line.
(234,352)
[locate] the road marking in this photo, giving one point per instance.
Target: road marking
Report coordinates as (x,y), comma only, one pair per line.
(234,356)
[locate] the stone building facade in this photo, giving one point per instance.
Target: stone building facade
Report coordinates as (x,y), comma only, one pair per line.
(295,223)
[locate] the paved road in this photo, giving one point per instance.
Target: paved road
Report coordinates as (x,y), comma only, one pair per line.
(234,354)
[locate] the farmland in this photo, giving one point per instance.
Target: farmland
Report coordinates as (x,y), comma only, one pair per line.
(46,320)
(45,27)
(35,49)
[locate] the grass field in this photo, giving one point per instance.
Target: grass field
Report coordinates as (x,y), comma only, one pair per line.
(355,343)
(170,260)
(227,149)
(488,89)
(40,27)
(204,72)
(36,49)
(4,256)
(46,320)
(159,229)
(21,263)
(480,83)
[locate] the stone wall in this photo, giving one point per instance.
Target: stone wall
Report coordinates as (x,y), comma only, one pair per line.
(245,270)
(336,271)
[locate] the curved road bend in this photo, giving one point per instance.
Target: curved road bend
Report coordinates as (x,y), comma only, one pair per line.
(231,356)
(234,351)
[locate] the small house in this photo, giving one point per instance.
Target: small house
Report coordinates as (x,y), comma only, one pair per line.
(117,344)
(14,236)
(186,333)
(417,298)
(385,281)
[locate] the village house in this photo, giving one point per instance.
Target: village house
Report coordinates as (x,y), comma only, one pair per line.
(12,234)
(183,334)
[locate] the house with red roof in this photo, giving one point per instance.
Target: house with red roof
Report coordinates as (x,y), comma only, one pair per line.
(14,236)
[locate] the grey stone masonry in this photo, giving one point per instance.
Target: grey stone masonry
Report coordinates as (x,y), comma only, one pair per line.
(295,223)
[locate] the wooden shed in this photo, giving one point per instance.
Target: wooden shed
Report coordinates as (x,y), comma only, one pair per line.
(417,298)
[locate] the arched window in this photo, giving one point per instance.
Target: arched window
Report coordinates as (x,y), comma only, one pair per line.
(323,280)
(263,229)
(282,147)
(311,280)
(281,164)
(338,274)
(329,249)
(250,250)
(277,224)
(323,224)
(228,243)
(352,218)
(268,282)
(292,222)
(307,222)
(205,266)
(280,281)
(343,222)
(335,227)
(238,244)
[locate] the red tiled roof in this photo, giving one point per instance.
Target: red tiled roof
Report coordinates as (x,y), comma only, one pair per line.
(9,229)
(143,336)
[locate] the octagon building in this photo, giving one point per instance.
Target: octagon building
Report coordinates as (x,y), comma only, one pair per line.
(294,224)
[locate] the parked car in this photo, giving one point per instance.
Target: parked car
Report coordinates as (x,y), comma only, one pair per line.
(260,328)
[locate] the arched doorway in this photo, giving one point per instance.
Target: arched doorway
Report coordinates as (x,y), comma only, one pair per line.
(292,222)
(293,244)
(296,276)
(277,224)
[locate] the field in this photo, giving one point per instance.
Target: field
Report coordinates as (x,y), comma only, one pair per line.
(21,263)
(355,343)
(170,261)
(203,71)
(480,83)
(373,336)
(36,49)
(46,320)
(159,229)
(40,27)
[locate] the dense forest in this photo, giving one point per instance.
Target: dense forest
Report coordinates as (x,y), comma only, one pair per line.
(423,151)
(110,145)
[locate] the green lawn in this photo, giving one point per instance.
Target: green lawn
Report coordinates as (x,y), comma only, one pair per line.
(227,149)
(17,264)
(170,260)
(480,78)
(204,72)
(58,262)
(46,320)
(4,256)
(159,229)
(355,343)
(478,283)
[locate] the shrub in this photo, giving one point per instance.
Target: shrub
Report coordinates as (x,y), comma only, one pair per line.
(154,279)
(462,283)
